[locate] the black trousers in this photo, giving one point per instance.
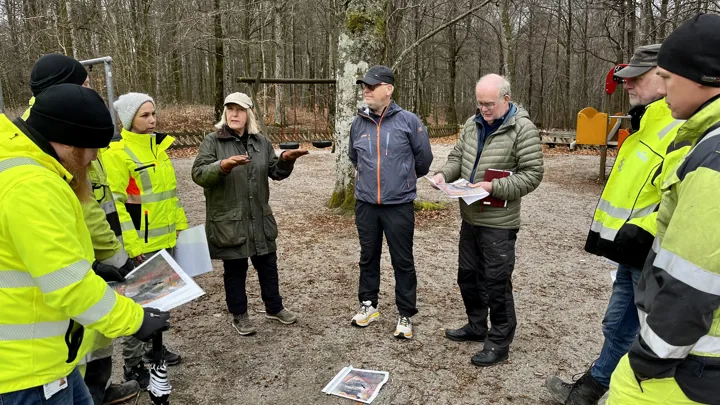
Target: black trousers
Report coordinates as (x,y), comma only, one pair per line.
(235,275)
(486,261)
(97,374)
(397,222)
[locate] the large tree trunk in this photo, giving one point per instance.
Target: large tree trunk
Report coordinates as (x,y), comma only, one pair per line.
(359,44)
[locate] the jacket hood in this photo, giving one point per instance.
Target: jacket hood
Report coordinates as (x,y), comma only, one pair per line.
(14,142)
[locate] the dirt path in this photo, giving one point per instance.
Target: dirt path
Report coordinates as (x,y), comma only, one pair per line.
(560,292)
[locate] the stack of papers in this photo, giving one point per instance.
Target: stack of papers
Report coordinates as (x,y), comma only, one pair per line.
(159,283)
(460,189)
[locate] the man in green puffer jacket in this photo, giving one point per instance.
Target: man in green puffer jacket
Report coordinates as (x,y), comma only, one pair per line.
(499,136)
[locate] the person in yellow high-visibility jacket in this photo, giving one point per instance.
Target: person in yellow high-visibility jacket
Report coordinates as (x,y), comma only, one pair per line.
(111,260)
(675,359)
(624,223)
(48,291)
(143,183)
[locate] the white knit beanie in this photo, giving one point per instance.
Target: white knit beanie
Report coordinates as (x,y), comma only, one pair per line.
(127,106)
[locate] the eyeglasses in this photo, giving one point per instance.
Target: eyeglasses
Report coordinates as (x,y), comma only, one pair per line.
(487,106)
(372,87)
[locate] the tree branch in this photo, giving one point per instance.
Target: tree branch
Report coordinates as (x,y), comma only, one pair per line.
(435,31)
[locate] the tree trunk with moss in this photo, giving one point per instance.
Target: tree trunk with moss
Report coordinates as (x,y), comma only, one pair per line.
(359,46)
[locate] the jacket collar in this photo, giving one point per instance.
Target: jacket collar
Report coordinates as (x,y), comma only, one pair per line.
(162,140)
(390,110)
(226,133)
(506,120)
(696,126)
(35,136)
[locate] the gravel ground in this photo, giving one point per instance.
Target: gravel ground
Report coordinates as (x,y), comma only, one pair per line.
(560,293)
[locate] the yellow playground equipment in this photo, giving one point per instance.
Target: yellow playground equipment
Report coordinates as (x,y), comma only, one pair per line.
(600,128)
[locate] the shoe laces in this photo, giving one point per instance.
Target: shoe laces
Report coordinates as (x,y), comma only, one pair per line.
(404,321)
(365,308)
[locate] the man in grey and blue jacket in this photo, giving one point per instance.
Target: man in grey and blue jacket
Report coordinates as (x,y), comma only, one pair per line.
(390,149)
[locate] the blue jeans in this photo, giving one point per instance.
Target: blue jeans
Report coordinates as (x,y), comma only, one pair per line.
(76,393)
(620,325)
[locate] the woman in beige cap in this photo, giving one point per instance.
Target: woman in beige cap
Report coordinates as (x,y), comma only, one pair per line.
(233,166)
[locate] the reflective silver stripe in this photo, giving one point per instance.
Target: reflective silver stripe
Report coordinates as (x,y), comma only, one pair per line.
(16,279)
(156,197)
(40,330)
(17,161)
(144,175)
(605,232)
(127,226)
(63,277)
(108,207)
(153,233)
(689,273)
(624,213)
(133,199)
(100,309)
(656,244)
(661,348)
(98,354)
(708,344)
(118,259)
(669,128)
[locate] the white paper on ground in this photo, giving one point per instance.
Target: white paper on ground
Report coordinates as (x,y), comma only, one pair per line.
(191,251)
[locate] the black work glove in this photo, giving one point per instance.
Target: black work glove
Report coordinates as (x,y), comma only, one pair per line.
(154,321)
(112,273)
(634,243)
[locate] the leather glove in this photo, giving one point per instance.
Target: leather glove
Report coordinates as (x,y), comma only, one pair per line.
(110,273)
(634,243)
(154,321)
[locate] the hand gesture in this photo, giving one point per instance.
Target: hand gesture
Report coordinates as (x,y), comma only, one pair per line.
(292,155)
(234,161)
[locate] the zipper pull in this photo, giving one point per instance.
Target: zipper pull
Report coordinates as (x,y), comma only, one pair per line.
(147,225)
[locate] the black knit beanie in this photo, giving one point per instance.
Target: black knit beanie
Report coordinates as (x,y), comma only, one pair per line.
(72,115)
(54,68)
(693,50)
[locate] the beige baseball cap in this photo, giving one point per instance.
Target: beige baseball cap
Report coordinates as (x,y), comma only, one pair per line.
(241,99)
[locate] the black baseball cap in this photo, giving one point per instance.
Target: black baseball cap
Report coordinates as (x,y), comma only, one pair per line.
(644,59)
(376,75)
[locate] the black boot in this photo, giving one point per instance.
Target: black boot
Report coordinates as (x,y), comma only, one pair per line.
(586,391)
(559,389)
(170,358)
(490,357)
(138,373)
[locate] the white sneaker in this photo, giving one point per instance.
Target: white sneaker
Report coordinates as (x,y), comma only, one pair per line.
(403,330)
(366,315)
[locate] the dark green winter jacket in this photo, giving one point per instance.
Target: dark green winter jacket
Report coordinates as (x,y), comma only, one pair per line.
(239,220)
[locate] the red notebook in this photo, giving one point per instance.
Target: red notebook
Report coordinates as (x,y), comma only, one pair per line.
(491,174)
